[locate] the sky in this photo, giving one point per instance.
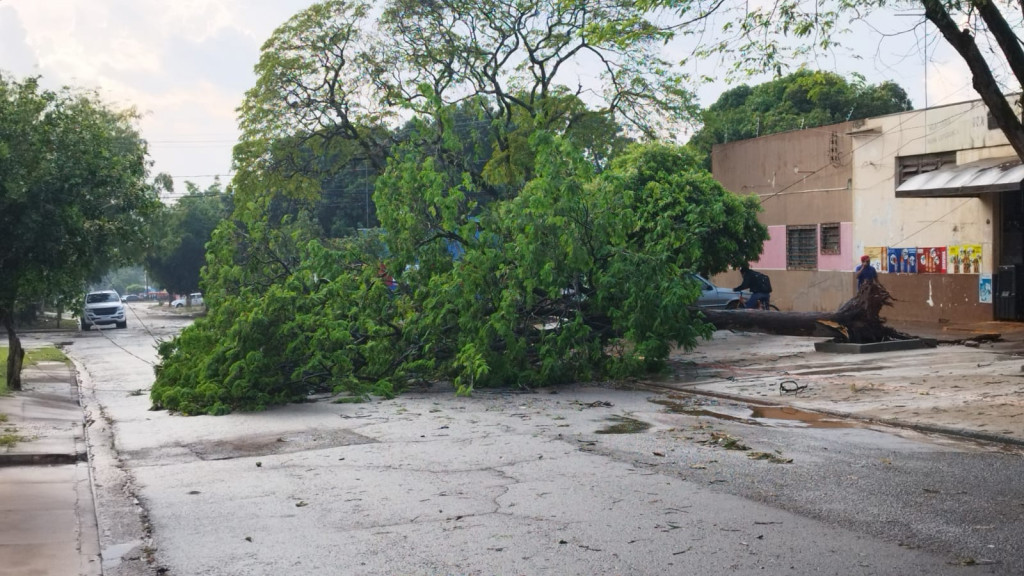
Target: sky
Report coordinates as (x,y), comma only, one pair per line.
(186,64)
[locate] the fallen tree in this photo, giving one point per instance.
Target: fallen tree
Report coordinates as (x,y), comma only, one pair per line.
(857,321)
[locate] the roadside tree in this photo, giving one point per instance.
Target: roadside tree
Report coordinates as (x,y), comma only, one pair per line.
(771,36)
(533,267)
(74,200)
(513,249)
(181,231)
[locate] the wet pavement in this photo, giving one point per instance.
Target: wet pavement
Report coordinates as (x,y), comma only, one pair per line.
(590,479)
(971,384)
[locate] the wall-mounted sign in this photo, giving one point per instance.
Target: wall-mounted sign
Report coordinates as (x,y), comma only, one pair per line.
(985,288)
(892,265)
(964,259)
(877,256)
(931,260)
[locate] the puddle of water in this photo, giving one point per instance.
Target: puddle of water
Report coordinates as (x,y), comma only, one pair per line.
(112,554)
(797,417)
(624,425)
(761,415)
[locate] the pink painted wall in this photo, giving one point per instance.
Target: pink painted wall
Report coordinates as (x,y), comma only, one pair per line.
(773,256)
(841,261)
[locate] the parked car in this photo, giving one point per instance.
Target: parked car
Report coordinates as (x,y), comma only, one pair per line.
(712,296)
(130,298)
(195,297)
(103,307)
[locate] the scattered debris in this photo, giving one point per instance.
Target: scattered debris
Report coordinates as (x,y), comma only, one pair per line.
(774,458)
(624,425)
(790,387)
(726,441)
(595,404)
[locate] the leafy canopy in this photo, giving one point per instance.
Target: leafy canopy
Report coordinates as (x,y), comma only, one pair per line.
(74,201)
(777,35)
(180,233)
(521,241)
(803,99)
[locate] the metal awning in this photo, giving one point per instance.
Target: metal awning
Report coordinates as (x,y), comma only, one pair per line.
(1004,174)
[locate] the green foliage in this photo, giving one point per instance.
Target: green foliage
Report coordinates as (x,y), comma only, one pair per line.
(265,345)
(73,196)
(178,249)
(580,276)
(74,201)
(521,242)
(803,99)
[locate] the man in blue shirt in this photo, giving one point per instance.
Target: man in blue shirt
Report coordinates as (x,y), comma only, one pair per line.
(865,272)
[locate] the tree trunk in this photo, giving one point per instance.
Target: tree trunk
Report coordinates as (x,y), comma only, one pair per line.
(984,81)
(15,354)
(856,321)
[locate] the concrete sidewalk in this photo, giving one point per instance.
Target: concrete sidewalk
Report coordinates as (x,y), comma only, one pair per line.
(47,517)
(971,385)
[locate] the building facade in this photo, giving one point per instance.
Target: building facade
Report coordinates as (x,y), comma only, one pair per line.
(933,196)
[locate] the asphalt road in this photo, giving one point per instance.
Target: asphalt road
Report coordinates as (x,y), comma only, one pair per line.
(582,480)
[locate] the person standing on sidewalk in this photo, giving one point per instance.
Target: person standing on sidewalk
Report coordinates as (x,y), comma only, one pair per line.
(865,272)
(759,285)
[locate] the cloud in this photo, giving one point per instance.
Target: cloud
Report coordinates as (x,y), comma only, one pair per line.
(948,82)
(184,64)
(18,57)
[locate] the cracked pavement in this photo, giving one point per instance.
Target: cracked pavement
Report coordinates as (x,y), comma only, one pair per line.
(498,483)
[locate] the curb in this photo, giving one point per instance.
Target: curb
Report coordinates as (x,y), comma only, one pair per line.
(917,427)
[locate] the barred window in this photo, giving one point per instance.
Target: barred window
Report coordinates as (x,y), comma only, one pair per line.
(830,238)
(802,247)
(909,166)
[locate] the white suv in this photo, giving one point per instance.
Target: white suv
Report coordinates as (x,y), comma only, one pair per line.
(103,307)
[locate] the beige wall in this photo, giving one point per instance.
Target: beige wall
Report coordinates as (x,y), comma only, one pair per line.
(881,219)
(800,182)
(802,177)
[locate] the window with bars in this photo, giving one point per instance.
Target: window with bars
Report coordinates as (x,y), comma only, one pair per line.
(909,166)
(802,247)
(830,238)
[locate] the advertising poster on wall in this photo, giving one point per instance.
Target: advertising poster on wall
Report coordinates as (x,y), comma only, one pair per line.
(964,259)
(908,260)
(877,256)
(892,260)
(931,260)
(985,288)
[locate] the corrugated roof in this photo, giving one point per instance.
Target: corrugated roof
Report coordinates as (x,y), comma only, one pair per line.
(1003,174)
